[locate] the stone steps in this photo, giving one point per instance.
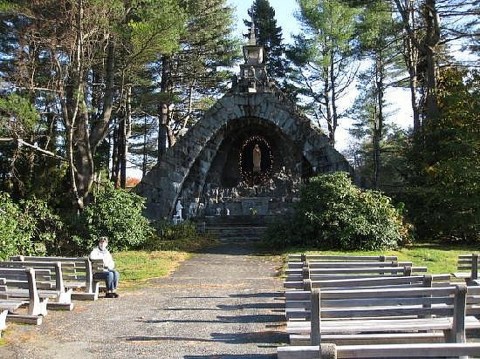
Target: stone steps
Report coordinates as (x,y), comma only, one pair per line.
(236,228)
(237,233)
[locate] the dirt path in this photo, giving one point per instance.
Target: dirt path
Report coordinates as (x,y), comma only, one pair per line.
(221,304)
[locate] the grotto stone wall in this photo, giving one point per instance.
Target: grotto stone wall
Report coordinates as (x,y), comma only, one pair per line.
(203,168)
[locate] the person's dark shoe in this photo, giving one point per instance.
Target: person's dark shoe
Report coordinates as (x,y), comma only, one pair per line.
(114,295)
(110,295)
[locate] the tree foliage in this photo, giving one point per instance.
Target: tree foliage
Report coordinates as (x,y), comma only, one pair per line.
(444,193)
(380,48)
(322,57)
(79,72)
(28,227)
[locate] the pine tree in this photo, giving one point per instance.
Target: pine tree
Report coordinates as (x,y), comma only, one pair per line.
(197,72)
(381,49)
(322,56)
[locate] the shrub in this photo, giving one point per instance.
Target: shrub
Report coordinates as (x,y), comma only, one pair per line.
(335,214)
(16,229)
(49,230)
(117,214)
(182,236)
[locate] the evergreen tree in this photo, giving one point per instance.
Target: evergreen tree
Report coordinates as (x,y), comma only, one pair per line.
(380,48)
(197,72)
(322,56)
(443,195)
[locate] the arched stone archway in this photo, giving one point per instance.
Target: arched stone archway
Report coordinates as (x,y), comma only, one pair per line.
(210,165)
(204,162)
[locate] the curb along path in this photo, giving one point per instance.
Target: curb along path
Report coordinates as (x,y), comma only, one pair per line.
(222,304)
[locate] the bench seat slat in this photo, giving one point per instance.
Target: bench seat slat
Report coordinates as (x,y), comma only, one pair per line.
(379,325)
(413,350)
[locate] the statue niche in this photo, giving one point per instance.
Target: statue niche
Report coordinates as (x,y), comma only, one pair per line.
(256,161)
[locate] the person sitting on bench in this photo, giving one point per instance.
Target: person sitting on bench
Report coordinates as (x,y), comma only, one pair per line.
(109,275)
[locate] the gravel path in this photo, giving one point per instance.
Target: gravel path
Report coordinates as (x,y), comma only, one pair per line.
(222,304)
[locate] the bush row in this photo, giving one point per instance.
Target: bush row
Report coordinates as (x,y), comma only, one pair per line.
(32,227)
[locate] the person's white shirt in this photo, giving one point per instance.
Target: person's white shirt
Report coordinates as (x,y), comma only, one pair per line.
(104,254)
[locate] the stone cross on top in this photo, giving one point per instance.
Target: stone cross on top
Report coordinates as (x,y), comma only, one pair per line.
(253,72)
(252,39)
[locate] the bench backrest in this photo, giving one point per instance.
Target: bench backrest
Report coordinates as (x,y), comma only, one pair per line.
(379,282)
(74,269)
(469,262)
(391,303)
(345,264)
(297,279)
(97,265)
(19,278)
(414,350)
(48,275)
(339,258)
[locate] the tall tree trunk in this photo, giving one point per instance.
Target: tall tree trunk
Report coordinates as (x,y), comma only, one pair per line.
(428,49)
(378,121)
(328,109)
(164,106)
(144,160)
(126,130)
(411,60)
(115,174)
(77,125)
(334,98)
(432,40)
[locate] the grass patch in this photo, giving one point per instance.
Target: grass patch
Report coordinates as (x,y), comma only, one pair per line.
(136,267)
(438,258)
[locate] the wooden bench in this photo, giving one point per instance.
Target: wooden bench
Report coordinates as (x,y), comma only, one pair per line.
(292,266)
(339,258)
(77,274)
(297,302)
(18,289)
(350,272)
(400,313)
(467,266)
(50,285)
(414,350)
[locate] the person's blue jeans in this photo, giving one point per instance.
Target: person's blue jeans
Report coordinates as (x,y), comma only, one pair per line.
(111,278)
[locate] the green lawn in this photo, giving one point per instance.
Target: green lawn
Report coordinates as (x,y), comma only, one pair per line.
(437,258)
(136,267)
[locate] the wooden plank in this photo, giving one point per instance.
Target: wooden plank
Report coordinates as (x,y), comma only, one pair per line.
(371,338)
(379,325)
(77,269)
(326,257)
(414,350)
(346,264)
(419,350)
